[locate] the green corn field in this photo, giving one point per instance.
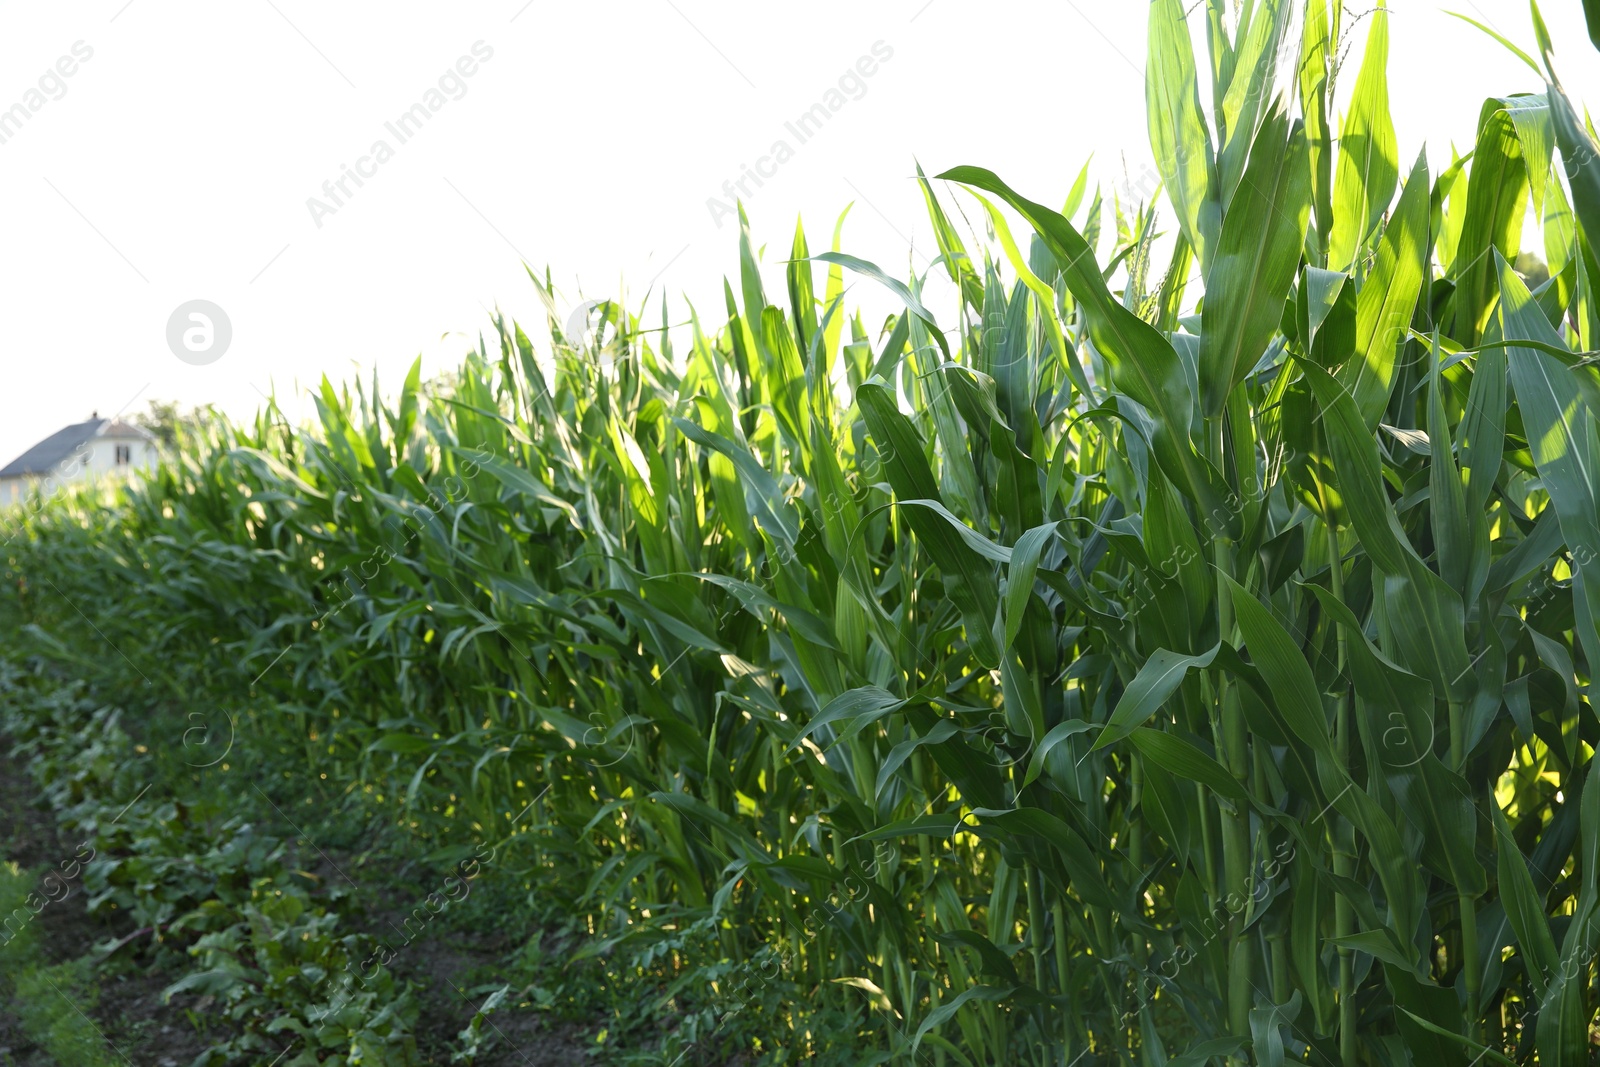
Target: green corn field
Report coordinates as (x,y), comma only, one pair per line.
(1173,658)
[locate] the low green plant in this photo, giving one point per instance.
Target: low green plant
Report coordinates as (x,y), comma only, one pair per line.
(51,1001)
(207,889)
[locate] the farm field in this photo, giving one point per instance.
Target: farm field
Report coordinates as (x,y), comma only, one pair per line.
(1172,650)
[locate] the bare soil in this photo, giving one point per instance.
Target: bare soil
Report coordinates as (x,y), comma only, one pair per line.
(444,964)
(129,1014)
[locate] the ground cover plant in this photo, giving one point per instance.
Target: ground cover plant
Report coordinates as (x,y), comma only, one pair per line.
(1193,671)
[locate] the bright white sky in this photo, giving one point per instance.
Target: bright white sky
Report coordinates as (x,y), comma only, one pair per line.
(179,160)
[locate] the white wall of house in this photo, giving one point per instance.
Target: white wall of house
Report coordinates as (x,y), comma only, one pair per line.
(15,490)
(95,458)
(103,454)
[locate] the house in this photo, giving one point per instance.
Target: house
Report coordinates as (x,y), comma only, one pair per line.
(85,449)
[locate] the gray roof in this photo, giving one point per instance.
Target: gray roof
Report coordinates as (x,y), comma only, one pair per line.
(45,456)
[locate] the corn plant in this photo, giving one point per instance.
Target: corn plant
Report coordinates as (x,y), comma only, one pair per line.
(1189,671)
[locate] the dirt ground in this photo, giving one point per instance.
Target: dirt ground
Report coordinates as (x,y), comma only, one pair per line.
(142,1030)
(129,1014)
